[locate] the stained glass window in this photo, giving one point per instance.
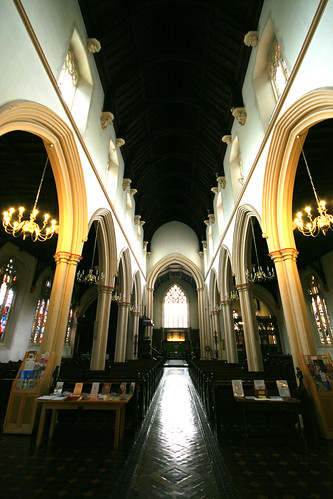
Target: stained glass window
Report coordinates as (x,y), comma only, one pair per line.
(7,294)
(277,70)
(175,308)
(319,311)
(69,326)
(68,79)
(41,313)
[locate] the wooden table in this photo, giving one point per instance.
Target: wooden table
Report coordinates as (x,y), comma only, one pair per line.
(267,405)
(86,405)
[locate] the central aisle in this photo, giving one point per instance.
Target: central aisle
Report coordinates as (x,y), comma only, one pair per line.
(179,456)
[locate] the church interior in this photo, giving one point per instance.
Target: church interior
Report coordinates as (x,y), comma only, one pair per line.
(166,240)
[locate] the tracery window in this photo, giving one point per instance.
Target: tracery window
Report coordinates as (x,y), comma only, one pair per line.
(277,70)
(319,311)
(7,294)
(69,78)
(42,308)
(175,308)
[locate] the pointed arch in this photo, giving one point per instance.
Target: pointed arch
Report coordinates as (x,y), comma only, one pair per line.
(107,246)
(125,268)
(175,258)
(241,248)
(66,167)
(282,161)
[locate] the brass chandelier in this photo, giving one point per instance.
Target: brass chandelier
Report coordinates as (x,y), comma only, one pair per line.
(91,278)
(323,222)
(258,274)
(30,227)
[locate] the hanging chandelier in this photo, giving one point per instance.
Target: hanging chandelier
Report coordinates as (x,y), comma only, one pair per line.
(30,227)
(322,223)
(91,278)
(258,274)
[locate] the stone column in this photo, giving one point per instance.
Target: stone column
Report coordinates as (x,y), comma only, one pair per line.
(293,303)
(201,316)
(121,334)
(60,302)
(101,327)
(135,335)
(251,335)
(150,311)
(229,332)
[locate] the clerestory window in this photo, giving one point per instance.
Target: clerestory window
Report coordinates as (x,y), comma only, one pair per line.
(7,294)
(319,312)
(175,306)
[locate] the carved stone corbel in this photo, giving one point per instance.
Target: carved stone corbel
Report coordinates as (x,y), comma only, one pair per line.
(215,190)
(126,183)
(211,217)
(222,182)
(106,119)
(133,192)
(251,38)
(120,142)
(204,244)
(137,219)
(226,139)
(93,45)
(145,244)
(240,114)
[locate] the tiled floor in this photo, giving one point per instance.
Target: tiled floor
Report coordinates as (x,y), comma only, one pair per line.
(174,455)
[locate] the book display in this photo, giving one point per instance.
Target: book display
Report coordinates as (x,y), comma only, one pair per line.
(318,380)
(32,380)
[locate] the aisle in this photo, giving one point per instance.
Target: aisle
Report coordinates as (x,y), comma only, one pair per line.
(178,455)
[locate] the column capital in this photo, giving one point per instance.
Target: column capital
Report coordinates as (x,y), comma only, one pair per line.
(66,257)
(104,289)
(284,254)
(243,287)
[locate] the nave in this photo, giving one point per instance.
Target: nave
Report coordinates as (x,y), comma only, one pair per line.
(174,455)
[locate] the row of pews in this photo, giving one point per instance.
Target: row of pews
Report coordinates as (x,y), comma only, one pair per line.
(145,373)
(213,382)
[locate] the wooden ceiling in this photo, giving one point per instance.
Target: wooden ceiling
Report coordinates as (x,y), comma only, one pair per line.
(172,70)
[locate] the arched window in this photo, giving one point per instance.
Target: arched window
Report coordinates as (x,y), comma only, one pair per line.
(7,294)
(175,308)
(319,311)
(41,313)
(277,70)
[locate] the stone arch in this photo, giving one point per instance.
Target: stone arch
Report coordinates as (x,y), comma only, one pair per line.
(107,245)
(241,248)
(125,279)
(281,165)
(225,271)
(66,167)
(175,258)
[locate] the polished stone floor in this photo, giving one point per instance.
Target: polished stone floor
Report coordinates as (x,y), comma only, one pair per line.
(174,455)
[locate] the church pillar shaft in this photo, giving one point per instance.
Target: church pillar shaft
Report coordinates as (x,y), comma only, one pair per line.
(101,327)
(120,349)
(251,335)
(293,303)
(229,332)
(60,301)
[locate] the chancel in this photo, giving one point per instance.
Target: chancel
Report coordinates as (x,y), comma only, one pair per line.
(165,325)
